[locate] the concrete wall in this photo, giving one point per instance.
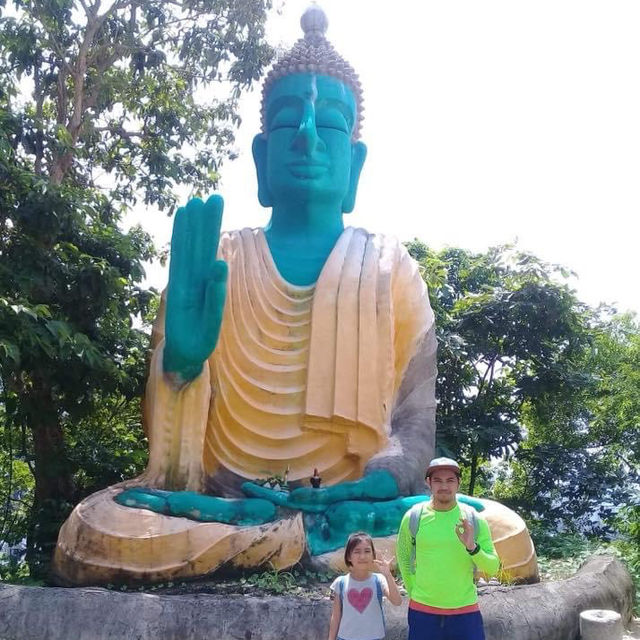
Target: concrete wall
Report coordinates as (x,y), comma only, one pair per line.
(547,611)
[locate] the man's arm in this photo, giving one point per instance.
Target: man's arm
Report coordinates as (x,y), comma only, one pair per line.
(486,560)
(404,547)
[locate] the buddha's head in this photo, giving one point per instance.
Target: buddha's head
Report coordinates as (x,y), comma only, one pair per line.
(309,150)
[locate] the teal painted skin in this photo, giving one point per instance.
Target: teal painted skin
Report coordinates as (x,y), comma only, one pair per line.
(197,506)
(308,167)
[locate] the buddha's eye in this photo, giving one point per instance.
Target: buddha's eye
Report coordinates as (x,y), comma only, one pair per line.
(285,118)
(332,119)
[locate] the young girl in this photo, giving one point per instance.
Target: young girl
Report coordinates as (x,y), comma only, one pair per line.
(357,596)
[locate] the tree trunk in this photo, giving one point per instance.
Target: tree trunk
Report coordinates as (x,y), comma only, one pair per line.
(54,488)
(474,472)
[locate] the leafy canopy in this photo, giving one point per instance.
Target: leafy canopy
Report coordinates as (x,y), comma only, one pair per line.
(145,92)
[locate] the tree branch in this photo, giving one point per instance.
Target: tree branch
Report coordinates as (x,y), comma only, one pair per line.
(39,96)
(484,377)
(120,131)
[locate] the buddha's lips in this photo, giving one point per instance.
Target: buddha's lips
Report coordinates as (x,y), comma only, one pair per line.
(307,169)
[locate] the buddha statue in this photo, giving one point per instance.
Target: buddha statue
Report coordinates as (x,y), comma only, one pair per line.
(304,349)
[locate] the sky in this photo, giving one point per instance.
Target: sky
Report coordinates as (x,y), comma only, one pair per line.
(486,122)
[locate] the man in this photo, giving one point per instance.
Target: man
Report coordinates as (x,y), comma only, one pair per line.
(448,547)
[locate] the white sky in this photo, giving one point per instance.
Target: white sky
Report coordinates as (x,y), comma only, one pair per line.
(486,121)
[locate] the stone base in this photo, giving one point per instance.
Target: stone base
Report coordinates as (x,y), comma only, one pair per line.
(103,542)
(549,610)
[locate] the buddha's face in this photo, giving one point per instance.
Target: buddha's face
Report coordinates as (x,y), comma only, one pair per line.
(307,153)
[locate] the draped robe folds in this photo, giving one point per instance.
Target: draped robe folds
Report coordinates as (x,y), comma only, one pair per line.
(302,377)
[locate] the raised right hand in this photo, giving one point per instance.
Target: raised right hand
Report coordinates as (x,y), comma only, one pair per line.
(197,288)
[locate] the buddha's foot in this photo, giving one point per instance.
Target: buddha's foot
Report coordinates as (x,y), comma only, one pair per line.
(196,506)
(103,542)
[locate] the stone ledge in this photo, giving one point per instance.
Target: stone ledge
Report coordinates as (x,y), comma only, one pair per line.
(531,612)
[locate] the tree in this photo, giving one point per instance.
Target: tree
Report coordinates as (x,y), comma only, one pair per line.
(100,105)
(580,462)
(508,331)
(530,376)
(116,85)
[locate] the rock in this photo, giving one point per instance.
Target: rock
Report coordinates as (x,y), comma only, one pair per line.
(551,610)
(530,612)
(600,624)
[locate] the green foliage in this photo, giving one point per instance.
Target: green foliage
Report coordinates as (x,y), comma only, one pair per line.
(98,108)
(561,555)
(128,88)
(17,571)
(16,486)
(628,544)
(298,581)
(277,582)
(580,460)
(533,378)
(68,278)
(508,332)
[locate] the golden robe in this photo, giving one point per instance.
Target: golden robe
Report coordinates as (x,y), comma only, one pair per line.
(302,377)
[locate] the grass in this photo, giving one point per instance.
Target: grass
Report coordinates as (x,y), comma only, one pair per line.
(560,556)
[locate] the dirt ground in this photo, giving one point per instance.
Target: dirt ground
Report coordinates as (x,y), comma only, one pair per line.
(633,632)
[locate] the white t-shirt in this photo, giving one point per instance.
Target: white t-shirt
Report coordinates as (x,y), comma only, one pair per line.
(361,611)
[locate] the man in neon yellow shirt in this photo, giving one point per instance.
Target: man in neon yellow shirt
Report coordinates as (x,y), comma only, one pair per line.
(448,547)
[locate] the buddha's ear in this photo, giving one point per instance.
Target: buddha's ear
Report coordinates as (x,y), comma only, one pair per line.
(259,149)
(358,156)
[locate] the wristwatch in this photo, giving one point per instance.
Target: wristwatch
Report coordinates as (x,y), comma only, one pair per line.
(474,550)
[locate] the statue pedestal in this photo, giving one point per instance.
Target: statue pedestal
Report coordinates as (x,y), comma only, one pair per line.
(103,542)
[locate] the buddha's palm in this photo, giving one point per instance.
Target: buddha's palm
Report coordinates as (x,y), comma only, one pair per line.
(197,288)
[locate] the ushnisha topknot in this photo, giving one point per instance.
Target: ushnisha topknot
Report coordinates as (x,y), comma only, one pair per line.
(314,54)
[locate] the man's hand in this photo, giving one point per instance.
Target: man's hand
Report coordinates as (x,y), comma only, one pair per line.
(197,288)
(465,533)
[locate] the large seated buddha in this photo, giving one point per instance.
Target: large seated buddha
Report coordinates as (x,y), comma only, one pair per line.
(302,350)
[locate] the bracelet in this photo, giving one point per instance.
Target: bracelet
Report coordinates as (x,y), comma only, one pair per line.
(474,550)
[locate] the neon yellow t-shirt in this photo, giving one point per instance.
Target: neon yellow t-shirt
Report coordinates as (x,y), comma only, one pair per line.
(444,568)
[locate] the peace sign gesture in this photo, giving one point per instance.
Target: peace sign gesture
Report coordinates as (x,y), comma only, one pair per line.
(197,288)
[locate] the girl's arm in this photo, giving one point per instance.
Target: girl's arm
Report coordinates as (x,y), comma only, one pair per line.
(392,592)
(336,615)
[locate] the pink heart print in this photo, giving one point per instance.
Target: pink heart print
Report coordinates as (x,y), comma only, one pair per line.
(359,599)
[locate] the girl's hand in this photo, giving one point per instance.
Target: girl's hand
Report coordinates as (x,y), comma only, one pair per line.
(391,590)
(384,566)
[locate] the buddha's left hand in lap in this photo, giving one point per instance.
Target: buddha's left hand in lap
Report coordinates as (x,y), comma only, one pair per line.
(378,485)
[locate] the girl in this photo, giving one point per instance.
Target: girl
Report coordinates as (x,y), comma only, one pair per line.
(357,596)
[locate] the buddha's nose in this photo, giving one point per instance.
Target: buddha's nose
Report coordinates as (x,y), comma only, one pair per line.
(306,139)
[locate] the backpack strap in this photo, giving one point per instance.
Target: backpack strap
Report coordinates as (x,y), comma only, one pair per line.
(415,513)
(380,594)
(379,591)
(340,586)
